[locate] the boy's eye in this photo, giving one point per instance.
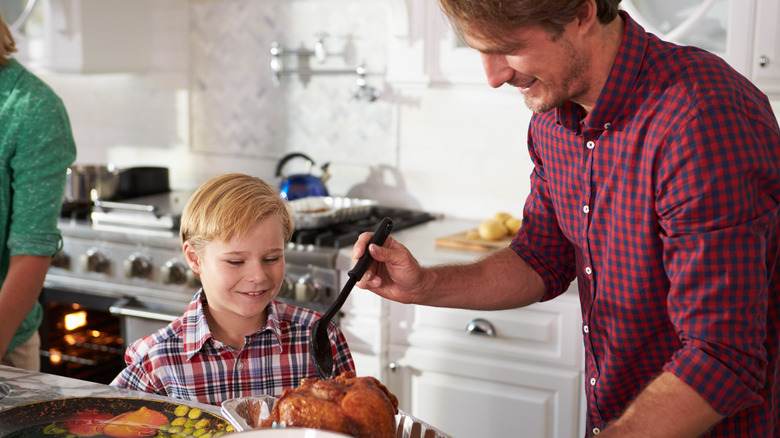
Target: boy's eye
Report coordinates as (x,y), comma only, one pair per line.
(272,259)
(235,262)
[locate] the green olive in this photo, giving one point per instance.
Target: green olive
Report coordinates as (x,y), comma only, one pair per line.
(180,421)
(181,410)
(202,424)
(194,413)
(175,429)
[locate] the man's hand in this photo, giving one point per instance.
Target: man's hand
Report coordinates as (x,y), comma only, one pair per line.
(395,274)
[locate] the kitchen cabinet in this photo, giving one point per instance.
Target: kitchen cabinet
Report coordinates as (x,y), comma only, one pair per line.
(743,32)
(424,51)
(92,36)
(524,379)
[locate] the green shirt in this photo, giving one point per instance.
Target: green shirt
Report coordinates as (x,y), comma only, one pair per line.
(36,147)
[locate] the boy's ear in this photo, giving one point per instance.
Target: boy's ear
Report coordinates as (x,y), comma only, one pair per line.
(191,256)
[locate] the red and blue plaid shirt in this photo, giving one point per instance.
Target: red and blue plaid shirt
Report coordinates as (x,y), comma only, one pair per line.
(184,361)
(663,201)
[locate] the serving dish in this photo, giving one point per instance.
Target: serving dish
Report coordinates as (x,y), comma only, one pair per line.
(321,211)
(288,432)
(104,416)
(237,412)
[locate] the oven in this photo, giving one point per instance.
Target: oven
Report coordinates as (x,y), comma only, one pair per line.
(121,275)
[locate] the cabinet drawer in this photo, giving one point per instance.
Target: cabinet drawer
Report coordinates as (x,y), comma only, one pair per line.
(544,332)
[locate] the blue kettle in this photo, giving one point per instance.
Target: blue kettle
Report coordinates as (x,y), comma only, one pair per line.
(301,185)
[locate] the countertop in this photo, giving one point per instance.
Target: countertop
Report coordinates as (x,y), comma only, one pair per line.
(30,387)
(421,241)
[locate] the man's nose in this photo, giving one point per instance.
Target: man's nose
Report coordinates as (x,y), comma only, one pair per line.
(496,69)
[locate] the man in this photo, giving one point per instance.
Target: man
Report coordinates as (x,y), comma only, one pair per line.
(656,183)
(36,147)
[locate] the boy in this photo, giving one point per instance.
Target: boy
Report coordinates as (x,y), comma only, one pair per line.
(235,339)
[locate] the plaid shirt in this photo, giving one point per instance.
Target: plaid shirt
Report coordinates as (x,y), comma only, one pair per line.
(183,361)
(663,201)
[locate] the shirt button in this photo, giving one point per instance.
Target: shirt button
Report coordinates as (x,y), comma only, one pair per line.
(588,270)
(596,431)
(240,365)
(591,144)
(607,125)
(586,329)
(586,209)
(592,381)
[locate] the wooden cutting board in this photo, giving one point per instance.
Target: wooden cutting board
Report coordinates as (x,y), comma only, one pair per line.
(460,241)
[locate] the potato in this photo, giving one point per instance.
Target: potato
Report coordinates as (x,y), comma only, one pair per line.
(513,225)
(491,229)
(472,234)
(502,217)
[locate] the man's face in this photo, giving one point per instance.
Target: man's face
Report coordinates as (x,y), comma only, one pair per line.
(241,276)
(547,72)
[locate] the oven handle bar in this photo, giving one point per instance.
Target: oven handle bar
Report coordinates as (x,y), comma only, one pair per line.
(122,308)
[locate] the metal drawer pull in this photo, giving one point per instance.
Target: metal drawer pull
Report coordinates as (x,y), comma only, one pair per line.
(482,327)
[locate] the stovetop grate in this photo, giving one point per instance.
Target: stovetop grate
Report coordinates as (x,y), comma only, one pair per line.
(345,234)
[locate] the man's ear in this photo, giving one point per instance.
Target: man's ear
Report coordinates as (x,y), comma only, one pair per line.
(587,14)
(191,256)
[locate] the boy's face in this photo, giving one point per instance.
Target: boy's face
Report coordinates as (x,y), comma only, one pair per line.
(241,276)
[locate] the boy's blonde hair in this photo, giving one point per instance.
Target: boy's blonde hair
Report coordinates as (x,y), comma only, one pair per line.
(226,206)
(7,45)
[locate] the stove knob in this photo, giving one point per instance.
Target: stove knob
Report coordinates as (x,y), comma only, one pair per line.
(307,289)
(138,266)
(288,288)
(192,280)
(174,272)
(95,261)
(61,260)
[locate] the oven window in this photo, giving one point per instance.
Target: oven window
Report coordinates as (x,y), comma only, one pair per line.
(79,337)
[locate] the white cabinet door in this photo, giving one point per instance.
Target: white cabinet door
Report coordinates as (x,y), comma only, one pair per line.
(766,53)
(474,396)
(92,36)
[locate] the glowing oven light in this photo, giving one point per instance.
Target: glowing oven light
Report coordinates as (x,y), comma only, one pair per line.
(55,356)
(96,334)
(70,339)
(75,320)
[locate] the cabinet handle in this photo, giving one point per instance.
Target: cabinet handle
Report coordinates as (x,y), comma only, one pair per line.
(763,61)
(481,327)
(393,366)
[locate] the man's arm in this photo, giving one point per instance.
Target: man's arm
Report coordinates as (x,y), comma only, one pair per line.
(20,290)
(667,408)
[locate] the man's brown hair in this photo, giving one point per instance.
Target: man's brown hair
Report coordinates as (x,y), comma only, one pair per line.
(495,19)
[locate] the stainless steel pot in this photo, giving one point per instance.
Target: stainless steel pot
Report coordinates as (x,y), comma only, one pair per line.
(87,183)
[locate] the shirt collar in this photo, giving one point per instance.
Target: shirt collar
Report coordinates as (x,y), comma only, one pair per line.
(196,332)
(620,83)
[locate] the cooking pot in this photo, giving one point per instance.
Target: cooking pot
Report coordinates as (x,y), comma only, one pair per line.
(85,184)
(301,185)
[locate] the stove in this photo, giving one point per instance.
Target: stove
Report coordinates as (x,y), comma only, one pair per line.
(124,259)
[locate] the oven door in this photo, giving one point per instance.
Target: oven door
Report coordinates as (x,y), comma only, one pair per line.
(84,334)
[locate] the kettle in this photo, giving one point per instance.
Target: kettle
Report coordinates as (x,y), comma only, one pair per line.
(301,185)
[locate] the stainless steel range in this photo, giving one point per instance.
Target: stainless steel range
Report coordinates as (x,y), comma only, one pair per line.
(122,264)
